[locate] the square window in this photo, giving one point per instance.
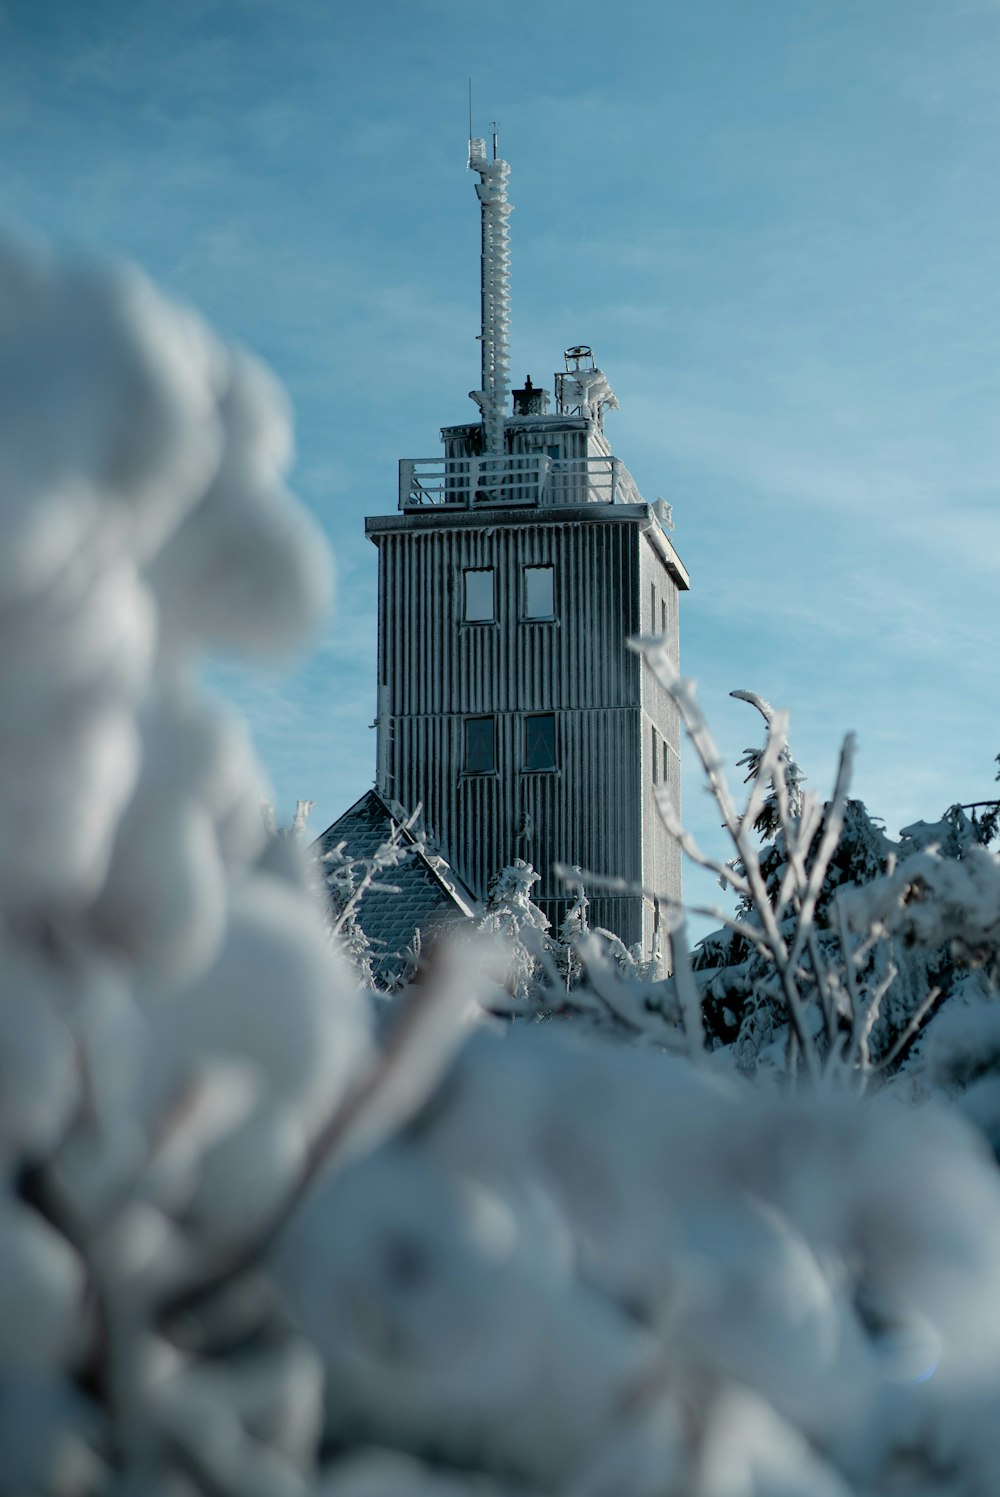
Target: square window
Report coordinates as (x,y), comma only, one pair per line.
(540,741)
(479,603)
(539,592)
(480,745)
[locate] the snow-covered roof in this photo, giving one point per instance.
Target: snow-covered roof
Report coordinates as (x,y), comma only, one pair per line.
(430,893)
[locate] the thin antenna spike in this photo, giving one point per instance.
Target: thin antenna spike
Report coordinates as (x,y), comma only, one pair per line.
(470,118)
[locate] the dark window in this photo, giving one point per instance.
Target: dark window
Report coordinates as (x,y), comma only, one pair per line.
(663,617)
(656,759)
(479,604)
(664,761)
(480,745)
(539,595)
(540,741)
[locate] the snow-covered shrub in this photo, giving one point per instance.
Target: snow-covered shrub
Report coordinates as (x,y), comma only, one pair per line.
(596,1269)
(174,1028)
(843,943)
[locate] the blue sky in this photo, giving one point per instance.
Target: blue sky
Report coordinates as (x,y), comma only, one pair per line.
(776,223)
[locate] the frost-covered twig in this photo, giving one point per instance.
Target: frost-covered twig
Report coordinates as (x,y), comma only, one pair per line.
(911,1031)
(389,854)
(725,873)
(740,828)
(613,883)
(809,965)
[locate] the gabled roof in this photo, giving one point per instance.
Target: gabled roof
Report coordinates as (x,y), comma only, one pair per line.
(430,893)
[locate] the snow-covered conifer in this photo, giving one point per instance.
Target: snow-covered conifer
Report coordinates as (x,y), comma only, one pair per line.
(517,926)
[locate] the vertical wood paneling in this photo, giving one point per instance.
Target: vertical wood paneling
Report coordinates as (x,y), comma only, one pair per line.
(661,858)
(597,810)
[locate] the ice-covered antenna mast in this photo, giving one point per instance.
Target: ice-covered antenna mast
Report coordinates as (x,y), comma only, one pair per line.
(494,334)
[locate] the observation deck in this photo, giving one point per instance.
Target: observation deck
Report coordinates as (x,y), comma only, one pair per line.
(510,480)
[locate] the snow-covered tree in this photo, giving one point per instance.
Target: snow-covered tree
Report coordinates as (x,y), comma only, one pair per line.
(986,816)
(514,925)
(574,927)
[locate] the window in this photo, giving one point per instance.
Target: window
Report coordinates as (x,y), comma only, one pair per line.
(480,745)
(665,761)
(663,616)
(656,758)
(538,596)
(540,741)
(479,604)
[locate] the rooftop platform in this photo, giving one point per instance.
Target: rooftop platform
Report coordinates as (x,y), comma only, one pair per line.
(513,479)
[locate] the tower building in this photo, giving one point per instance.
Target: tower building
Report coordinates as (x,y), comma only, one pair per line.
(515,568)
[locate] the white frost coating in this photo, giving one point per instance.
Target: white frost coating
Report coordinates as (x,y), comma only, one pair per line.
(446,1308)
(277,1001)
(589,389)
(109,423)
(38,1075)
(74,658)
(581,1245)
(174,1025)
(495,334)
(41,1293)
(194,812)
(247,568)
(142,509)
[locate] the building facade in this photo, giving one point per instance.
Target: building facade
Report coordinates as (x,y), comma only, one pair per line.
(513,572)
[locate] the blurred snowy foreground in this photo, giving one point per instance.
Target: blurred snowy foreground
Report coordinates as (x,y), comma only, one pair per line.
(245,1248)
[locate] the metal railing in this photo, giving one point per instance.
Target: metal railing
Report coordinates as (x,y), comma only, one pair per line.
(513,479)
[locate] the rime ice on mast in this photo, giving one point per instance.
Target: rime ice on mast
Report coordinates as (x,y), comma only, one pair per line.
(495,331)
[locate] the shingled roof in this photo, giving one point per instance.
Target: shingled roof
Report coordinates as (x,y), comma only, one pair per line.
(429,897)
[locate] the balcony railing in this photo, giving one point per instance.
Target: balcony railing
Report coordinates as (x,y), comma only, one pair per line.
(514,479)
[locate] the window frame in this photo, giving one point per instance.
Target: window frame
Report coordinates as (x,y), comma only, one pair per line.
(468,572)
(479,717)
(538,618)
(553,767)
